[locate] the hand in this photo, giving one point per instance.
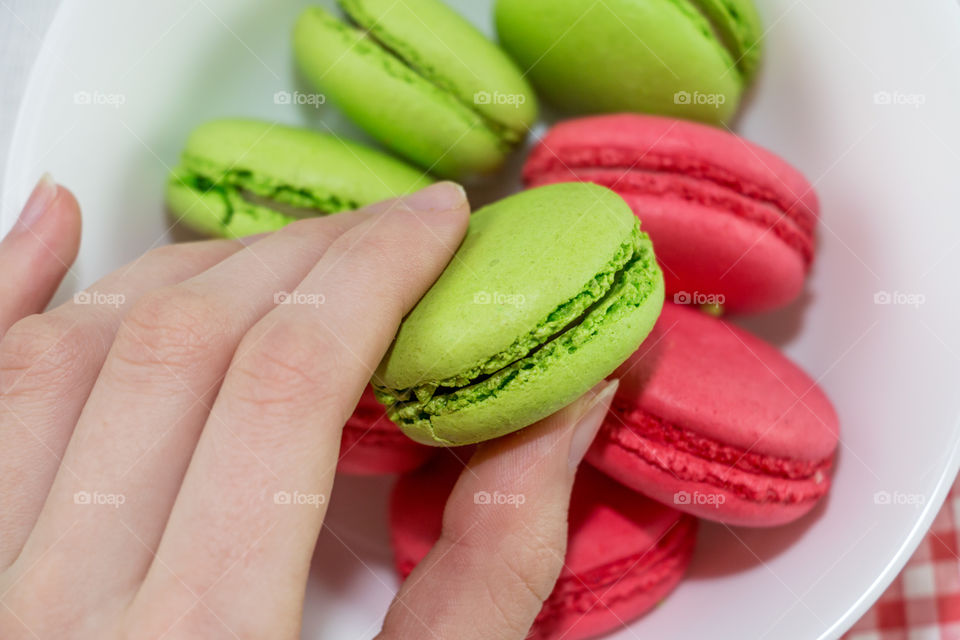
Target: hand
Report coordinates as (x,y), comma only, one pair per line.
(147,426)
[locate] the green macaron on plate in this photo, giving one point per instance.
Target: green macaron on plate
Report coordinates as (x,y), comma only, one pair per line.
(686,58)
(420,79)
(240,177)
(550,290)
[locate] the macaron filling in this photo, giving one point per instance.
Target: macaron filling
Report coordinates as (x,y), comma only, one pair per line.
(397,55)
(622,286)
(243,190)
(689,456)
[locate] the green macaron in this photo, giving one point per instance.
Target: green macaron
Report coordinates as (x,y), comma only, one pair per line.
(686,58)
(550,290)
(240,177)
(420,79)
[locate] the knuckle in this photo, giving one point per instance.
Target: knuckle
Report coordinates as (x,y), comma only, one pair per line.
(40,351)
(285,364)
(173,328)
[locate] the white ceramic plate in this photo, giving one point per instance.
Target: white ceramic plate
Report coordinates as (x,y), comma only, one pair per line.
(862,95)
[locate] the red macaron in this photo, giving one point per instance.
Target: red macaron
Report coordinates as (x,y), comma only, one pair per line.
(372,445)
(732,223)
(625,553)
(716,422)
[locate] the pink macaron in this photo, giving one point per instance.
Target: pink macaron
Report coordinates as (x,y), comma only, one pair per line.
(716,422)
(372,445)
(732,223)
(625,553)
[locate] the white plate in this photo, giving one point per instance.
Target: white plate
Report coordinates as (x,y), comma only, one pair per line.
(886,174)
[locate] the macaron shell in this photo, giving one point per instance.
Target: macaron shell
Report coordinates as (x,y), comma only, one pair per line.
(710,490)
(651,143)
(400,108)
(707,250)
(449,51)
(346,174)
(746,393)
(624,554)
(372,445)
(729,219)
(704,406)
(538,391)
(522,258)
(740,29)
(621,55)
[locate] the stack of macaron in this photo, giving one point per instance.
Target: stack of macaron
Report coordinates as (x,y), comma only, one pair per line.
(644,218)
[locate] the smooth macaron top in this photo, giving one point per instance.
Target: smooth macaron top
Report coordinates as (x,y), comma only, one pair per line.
(449,52)
(675,57)
(528,266)
(420,79)
(725,386)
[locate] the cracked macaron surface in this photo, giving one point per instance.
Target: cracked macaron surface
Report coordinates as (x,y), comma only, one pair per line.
(420,79)
(716,422)
(729,219)
(240,177)
(544,297)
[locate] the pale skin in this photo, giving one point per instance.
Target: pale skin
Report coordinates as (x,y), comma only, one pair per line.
(184,400)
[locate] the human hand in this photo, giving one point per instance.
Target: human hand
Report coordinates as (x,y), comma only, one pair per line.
(147,426)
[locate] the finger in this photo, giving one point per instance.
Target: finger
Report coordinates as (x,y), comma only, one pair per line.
(38,251)
(143,415)
(496,564)
(257,486)
(48,365)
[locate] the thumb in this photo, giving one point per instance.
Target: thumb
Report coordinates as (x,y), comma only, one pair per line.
(494,564)
(38,251)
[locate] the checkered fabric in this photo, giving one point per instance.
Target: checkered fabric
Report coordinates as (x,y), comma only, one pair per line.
(923,603)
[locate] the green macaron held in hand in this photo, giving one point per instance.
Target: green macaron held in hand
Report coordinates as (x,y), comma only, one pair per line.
(690,59)
(549,292)
(420,79)
(240,177)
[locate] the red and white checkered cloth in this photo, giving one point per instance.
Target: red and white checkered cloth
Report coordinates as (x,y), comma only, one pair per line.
(923,603)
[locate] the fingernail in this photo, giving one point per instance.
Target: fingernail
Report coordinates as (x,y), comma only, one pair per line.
(589,423)
(39,200)
(442,196)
